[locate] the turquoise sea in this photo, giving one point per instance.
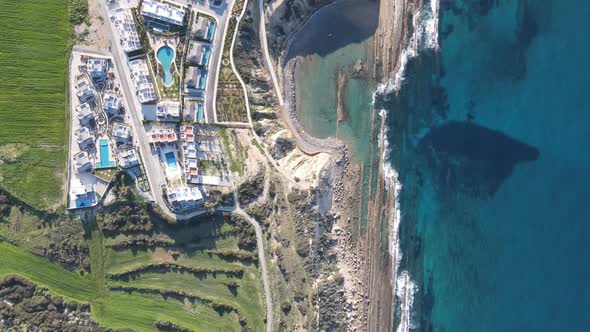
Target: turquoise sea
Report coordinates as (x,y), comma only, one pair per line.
(491,139)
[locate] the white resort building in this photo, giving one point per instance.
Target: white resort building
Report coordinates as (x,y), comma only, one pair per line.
(82,162)
(84,196)
(128,37)
(84,89)
(162,12)
(111,104)
(140,75)
(128,158)
(184,198)
(121,133)
(85,114)
(97,68)
(83,137)
(168,110)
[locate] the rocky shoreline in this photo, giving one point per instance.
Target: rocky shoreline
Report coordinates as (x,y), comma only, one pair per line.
(342,177)
(313,145)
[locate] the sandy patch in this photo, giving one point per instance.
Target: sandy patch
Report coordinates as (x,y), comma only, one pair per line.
(10,153)
(161,256)
(305,168)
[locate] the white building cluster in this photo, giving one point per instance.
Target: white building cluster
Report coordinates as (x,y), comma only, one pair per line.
(162,12)
(189,152)
(128,37)
(168,110)
(140,75)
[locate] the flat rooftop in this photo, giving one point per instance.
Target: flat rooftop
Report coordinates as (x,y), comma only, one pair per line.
(163,12)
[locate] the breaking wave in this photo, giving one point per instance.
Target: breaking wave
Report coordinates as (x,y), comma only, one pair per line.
(405,289)
(424,36)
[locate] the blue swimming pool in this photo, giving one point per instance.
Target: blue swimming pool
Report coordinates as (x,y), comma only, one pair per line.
(205,58)
(171,160)
(200,112)
(165,57)
(211,31)
(202,79)
(103,150)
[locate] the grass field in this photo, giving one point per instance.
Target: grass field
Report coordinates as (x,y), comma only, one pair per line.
(109,308)
(139,310)
(35,38)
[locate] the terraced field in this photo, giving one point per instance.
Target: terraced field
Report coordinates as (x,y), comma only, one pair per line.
(35,38)
(186,282)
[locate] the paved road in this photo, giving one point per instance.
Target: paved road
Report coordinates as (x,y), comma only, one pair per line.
(152,167)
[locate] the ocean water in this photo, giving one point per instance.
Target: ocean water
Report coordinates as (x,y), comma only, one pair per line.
(490,136)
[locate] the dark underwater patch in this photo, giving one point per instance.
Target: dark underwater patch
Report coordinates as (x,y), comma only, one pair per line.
(335,26)
(472,159)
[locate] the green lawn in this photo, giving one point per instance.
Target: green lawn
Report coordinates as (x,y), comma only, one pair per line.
(119,261)
(112,309)
(35,38)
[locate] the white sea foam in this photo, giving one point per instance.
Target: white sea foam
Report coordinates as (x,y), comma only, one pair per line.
(405,289)
(394,186)
(424,36)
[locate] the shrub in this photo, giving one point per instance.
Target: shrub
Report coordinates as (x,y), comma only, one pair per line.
(78,11)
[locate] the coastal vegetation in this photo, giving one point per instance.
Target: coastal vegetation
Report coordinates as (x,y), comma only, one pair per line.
(33,101)
(144,272)
(230,102)
(78,11)
(236,153)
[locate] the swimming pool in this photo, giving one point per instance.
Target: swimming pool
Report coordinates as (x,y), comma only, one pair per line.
(165,57)
(211,31)
(202,79)
(200,112)
(205,58)
(103,150)
(171,160)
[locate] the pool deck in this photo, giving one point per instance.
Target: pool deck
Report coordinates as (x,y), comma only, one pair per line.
(173,175)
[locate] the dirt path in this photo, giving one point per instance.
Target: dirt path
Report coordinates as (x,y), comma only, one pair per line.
(267,59)
(261,256)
